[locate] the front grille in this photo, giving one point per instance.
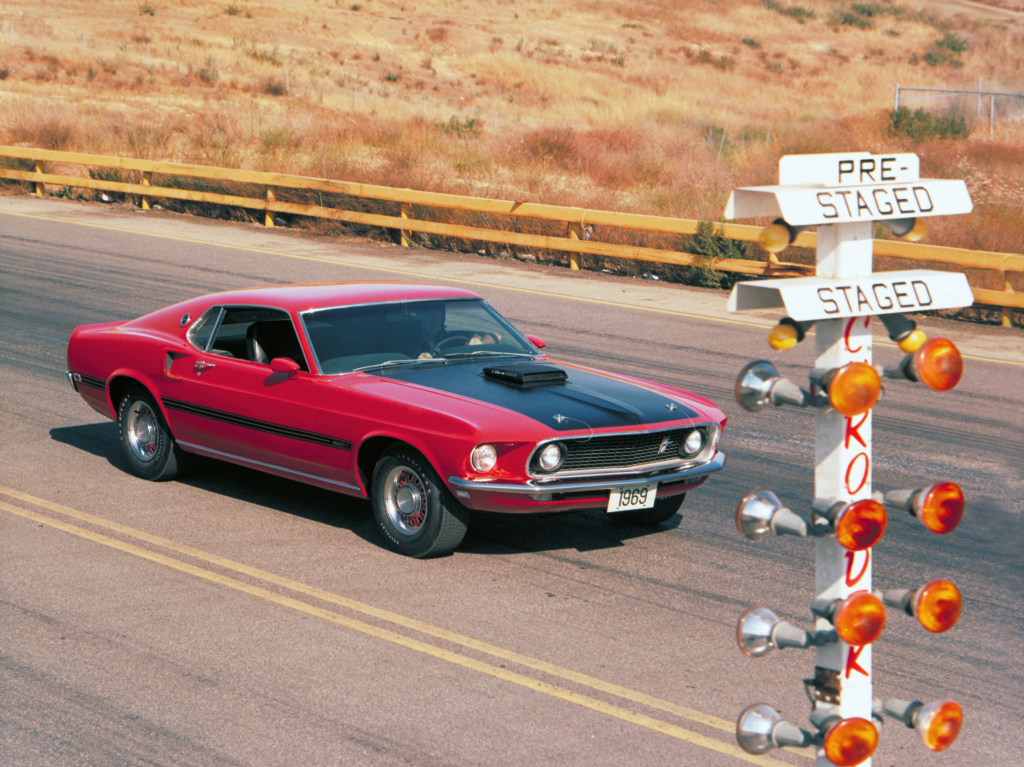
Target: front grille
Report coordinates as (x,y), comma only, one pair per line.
(619,451)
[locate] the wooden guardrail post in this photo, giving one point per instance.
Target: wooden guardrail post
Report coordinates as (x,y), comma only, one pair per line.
(404,214)
(575,233)
(268,219)
(579,222)
(1007,311)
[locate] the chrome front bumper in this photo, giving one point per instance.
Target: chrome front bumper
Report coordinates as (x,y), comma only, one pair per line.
(466,488)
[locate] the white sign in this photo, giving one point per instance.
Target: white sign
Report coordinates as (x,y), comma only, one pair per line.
(848,169)
(820,298)
(808,206)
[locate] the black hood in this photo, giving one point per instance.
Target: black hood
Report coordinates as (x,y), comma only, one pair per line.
(585,400)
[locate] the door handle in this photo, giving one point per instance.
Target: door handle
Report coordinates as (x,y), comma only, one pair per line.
(201,366)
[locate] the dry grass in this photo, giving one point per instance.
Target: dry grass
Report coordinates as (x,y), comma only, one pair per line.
(648,107)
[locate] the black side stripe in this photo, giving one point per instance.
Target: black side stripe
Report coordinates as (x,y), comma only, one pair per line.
(90,381)
(252,423)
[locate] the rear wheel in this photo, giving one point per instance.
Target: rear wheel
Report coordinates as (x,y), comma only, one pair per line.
(414,511)
(664,509)
(146,441)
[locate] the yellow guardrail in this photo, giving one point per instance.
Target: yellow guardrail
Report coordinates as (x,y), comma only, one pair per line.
(576,219)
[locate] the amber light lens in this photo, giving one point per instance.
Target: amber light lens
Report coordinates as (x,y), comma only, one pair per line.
(850,742)
(940,507)
(937,606)
(782,337)
(938,364)
(860,619)
(861,525)
(774,238)
(854,388)
(939,724)
(918,232)
(912,342)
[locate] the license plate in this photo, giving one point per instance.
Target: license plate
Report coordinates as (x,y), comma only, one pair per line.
(630,498)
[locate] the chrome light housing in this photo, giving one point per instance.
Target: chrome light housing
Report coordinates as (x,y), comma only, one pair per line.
(755,512)
(754,632)
(754,728)
(754,384)
(483,458)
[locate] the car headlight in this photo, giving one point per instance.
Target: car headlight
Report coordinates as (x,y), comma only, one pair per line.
(551,457)
(483,458)
(693,444)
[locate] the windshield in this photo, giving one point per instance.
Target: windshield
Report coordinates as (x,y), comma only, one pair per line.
(353,337)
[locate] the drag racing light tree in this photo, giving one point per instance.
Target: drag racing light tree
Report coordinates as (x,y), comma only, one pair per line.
(844,195)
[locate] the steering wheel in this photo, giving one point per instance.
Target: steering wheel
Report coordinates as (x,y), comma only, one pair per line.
(446,341)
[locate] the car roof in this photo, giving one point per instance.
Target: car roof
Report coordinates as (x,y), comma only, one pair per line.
(303,297)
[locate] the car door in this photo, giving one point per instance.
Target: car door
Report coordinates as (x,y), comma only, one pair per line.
(226,400)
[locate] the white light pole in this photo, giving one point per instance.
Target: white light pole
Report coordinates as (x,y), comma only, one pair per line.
(843,195)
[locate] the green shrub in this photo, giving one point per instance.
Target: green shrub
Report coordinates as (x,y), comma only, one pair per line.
(711,247)
(952,43)
(797,12)
(922,126)
(467,128)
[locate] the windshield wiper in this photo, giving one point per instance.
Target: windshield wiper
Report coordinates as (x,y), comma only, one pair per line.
(389,363)
(463,355)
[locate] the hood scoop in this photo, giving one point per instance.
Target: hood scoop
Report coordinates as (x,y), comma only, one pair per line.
(527,374)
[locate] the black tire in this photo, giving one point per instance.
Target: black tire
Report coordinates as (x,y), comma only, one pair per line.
(664,509)
(147,443)
(415,513)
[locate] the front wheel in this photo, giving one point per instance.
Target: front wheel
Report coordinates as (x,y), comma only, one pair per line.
(146,441)
(414,511)
(664,509)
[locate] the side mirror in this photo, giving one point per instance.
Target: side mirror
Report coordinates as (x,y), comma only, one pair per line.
(536,342)
(284,365)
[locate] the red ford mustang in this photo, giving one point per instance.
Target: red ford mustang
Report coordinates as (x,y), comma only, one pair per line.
(419,397)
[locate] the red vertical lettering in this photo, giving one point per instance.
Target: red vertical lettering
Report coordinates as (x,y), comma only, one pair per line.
(846,333)
(850,471)
(851,661)
(853,430)
(851,579)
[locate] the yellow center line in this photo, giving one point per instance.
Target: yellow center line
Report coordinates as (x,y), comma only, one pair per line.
(389,636)
(353,605)
(475,283)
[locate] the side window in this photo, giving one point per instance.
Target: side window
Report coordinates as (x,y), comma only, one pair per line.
(201,332)
(258,335)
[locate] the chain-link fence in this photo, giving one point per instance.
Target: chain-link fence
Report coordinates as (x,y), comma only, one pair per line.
(984,105)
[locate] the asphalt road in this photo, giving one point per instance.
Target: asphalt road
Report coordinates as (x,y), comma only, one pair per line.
(233,618)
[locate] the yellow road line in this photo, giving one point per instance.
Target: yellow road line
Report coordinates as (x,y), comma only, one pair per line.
(385,615)
(398,639)
(476,283)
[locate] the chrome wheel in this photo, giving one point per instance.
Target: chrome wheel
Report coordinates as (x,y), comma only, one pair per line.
(405,500)
(142,430)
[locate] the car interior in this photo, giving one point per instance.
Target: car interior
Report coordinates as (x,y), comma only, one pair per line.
(257,335)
